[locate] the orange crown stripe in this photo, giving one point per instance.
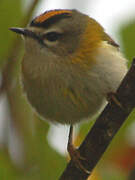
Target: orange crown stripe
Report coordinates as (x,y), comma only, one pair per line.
(43,17)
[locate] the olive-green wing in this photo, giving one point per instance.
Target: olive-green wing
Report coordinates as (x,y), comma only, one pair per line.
(110,40)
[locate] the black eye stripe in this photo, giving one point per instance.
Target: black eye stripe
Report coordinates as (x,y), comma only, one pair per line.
(52,36)
(35,36)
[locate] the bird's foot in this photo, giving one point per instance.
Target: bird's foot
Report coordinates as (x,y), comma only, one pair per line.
(112,96)
(75,154)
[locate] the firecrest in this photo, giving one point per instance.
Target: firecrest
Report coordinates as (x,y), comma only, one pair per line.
(70,65)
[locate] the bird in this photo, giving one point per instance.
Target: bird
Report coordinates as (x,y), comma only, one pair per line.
(70,65)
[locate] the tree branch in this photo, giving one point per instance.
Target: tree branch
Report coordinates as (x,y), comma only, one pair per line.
(105,128)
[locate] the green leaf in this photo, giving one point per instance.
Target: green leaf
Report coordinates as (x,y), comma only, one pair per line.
(127,33)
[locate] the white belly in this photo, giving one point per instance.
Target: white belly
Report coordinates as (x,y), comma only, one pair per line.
(110,68)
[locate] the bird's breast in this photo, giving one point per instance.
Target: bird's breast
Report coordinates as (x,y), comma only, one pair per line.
(67,94)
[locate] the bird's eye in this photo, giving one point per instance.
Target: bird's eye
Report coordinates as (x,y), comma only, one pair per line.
(52,36)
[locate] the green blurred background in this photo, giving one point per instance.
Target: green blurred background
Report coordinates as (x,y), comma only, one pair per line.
(25,149)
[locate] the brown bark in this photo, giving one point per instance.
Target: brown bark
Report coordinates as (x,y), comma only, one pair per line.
(105,128)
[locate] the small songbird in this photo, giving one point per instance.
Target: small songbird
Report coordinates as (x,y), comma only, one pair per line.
(69,67)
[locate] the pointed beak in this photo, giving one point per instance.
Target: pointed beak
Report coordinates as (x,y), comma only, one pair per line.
(27,33)
(22,31)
